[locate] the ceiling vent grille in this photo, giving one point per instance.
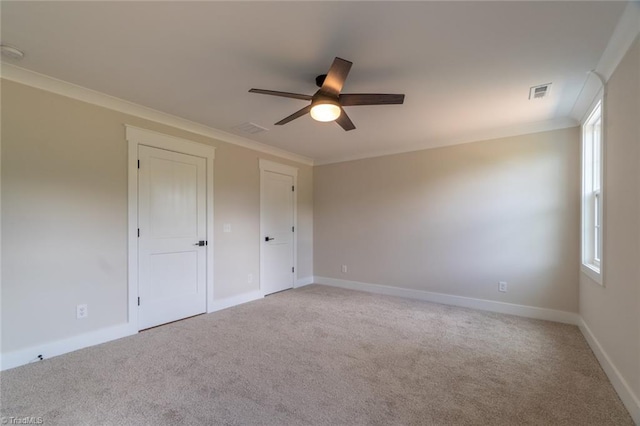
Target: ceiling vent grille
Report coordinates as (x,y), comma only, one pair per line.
(250,128)
(539,92)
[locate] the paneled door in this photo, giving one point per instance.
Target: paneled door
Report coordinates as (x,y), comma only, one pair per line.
(172,246)
(277,233)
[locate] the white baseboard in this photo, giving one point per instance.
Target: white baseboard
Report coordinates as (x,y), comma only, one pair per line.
(629,399)
(229,302)
(303,281)
(448,299)
(48,350)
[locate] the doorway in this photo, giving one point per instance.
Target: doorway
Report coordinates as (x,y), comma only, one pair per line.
(277,226)
(172,248)
(170,228)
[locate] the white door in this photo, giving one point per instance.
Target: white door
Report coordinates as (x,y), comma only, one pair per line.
(172,236)
(277,232)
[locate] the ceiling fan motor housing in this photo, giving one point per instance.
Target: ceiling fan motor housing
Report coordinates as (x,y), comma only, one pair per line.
(320,80)
(323,98)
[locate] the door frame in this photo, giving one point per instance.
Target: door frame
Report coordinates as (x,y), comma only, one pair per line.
(137,136)
(283,169)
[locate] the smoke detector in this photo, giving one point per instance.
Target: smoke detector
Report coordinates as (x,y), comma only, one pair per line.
(539,92)
(11,52)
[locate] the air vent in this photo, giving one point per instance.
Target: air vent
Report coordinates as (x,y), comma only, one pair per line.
(539,92)
(250,128)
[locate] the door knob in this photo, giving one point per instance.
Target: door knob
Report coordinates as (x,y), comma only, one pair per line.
(267,239)
(201,243)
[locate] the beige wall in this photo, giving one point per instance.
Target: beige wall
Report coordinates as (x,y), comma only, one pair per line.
(64,215)
(453,220)
(612,312)
(458,220)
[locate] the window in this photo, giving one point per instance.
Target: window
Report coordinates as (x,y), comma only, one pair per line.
(592,193)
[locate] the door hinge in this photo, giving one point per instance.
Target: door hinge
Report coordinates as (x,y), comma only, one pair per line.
(138,232)
(293,269)
(293,188)
(293,229)
(138,163)
(138,301)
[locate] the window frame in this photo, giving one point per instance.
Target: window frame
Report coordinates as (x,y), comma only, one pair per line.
(592,194)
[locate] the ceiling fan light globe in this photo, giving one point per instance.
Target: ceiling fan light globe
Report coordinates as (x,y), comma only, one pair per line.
(325,112)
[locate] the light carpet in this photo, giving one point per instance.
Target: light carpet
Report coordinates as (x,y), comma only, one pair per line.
(325,356)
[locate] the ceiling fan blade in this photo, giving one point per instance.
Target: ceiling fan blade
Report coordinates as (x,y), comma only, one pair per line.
(353,99)
(282,94)
(344,121)
(295,115)
(336,76)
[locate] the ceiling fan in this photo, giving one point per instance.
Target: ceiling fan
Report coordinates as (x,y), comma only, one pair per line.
(327,103)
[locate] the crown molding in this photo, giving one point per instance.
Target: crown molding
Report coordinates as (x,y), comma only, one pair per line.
(504,132)
(625,33)
(73,91)
(623,36)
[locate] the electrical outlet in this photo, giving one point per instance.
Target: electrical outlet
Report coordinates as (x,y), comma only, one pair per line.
(344,269)
(226,227)
(250,278)
(502,287)
(82,311)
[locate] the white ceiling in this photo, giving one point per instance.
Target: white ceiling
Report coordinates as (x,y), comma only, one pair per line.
(465,67)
